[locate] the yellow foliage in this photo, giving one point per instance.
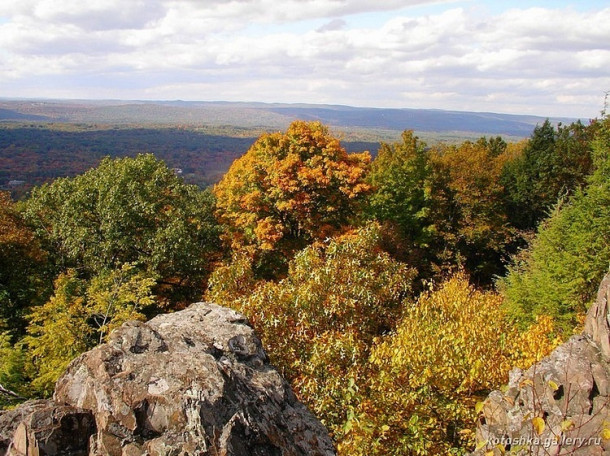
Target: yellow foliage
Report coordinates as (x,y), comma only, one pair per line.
(319,323)
(451,347)
(386,375)
(535,343)
(538,424)
(80,315)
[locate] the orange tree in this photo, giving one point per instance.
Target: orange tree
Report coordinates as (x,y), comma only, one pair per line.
(288,190)
(22,268)
(471,226)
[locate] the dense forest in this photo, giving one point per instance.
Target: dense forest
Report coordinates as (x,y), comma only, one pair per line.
(394,292)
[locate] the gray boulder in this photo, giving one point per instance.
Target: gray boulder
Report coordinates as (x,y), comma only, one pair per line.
(195,382)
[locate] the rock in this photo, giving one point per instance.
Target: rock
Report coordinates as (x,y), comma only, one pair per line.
(597,326)
(560,405)
(11,419)
(195,382)
(52,429)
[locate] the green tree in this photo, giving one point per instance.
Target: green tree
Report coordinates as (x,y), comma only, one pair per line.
(130,210)
(554,163)
(289,190)
(443,208)
(559,273)
(401,199)
(12,367)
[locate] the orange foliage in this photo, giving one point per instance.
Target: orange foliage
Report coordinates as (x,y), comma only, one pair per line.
(20,259)
(290,189)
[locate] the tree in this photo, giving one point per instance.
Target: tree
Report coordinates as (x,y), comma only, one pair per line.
(401,178)
(12,366)
(559,273)
(471,226)
(130,210)
(79,316)
(22,268)
(554,163)
(319,323)
(448,351)
(289,190)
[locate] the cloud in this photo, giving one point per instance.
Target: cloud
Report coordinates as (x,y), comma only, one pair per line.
(538,60)
(335,24)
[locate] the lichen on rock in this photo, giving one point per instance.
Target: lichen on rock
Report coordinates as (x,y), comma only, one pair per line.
(194,382)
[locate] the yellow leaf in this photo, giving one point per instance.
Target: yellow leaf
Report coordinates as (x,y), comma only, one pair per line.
(478,407)
(566,425)
(605,434)
(554,386)
(538,424)
(481,445)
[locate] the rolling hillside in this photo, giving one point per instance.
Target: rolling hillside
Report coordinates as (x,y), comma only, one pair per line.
(261,115)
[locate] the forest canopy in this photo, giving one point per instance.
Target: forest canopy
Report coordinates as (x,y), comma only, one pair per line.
(393,293)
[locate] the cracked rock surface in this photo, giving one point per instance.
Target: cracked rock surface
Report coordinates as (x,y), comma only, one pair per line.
(194,382)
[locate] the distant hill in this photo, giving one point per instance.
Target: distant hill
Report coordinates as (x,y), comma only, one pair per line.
(41,140)
(265,116)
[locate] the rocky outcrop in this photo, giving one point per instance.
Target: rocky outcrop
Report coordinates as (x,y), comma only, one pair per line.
(195,382)
(561,405)
(45,428)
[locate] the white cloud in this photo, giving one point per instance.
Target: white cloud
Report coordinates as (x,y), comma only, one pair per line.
(545,61)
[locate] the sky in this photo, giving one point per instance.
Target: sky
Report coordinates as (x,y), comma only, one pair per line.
(549,58)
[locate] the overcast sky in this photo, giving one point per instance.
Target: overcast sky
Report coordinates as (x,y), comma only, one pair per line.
(550,58)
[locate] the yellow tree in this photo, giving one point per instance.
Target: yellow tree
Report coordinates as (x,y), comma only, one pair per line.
(79,316)
(290,189)
(450,349)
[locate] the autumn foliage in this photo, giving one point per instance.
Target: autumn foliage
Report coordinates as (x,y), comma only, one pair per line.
(22,263)
(290,189)
(374,286)
(320,321)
